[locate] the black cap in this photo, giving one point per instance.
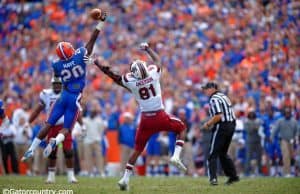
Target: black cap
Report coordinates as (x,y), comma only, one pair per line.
(210,85)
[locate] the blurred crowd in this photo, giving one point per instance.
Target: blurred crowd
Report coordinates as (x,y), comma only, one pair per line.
(251,48)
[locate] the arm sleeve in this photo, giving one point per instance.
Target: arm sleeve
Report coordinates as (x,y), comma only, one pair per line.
(82,51)
(215,106)
(125,80)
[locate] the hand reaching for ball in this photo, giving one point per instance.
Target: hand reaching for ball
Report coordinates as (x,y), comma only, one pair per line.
(98,14)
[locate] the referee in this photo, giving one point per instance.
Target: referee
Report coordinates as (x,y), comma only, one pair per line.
(222,122)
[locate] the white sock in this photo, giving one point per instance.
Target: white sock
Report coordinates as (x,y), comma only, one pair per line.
(59,138)
(178,148)
(128,172)
(35,143)
(70,173)
(51,173)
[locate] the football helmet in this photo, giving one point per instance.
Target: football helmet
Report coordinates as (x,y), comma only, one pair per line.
(55,80)
(65,50)
(56,85)
(139,69)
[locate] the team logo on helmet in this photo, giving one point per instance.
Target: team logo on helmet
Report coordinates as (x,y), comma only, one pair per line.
(138,69)
(65,50)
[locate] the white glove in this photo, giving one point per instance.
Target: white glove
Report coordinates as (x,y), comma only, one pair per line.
(144,46)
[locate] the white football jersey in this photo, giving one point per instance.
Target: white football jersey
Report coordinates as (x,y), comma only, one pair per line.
(147,92)
(48,97)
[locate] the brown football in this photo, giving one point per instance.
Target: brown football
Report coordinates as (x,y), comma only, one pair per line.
(95,13)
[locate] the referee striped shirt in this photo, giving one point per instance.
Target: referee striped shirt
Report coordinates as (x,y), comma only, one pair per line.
(220,103)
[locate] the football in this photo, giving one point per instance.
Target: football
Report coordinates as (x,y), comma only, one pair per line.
(95,13)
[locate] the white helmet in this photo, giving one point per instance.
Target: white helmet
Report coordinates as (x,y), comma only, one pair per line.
(139,69)
(55,80)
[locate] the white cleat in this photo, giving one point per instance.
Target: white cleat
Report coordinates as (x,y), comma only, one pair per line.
(123,185)
(28,154)
(51,145)
(50,181)
(177,162)
(72,180)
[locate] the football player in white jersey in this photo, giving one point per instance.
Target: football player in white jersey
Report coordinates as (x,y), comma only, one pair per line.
(47,98)
(144,83)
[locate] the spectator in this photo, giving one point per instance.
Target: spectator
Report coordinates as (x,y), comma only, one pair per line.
(187,153)
(253,128)
(22,139)
(127,132)
(95,127)
(7,133)
(237,141)
(287,128)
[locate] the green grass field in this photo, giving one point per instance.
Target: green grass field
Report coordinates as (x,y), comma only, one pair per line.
(144,185)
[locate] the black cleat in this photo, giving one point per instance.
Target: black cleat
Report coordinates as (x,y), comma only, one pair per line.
(232,180)
(213,182)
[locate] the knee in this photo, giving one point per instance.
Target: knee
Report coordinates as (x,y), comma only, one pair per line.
(52,156)
(68,154)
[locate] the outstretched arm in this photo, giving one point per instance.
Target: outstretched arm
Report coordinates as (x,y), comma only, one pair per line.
(90,45)
(154,56)
(113,75)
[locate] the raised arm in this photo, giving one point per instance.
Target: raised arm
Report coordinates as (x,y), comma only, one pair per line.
(153,55)
(90,45)
(113,75)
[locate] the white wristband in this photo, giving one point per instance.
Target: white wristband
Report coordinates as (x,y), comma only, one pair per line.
(100,25)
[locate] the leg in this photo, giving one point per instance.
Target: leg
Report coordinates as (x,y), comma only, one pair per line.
(153,153)
(248,159)
(176,125)
(286,157)
(88,156)
(142,137)
(13,158)
(188,156)
(5,153)
(216,143)
(56,112)
(67,105)
(52,167)
(259,157)
(70,117)
(53,155)
(69,156)
(125,153)
(56,141)
(226,162)
(99,158)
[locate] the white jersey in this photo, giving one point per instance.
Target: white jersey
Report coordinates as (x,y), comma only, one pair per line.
(48,97)
(147,92)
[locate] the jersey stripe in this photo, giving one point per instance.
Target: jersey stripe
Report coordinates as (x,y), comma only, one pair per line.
(62,50)
(125,78)
(143,70)
(219,104)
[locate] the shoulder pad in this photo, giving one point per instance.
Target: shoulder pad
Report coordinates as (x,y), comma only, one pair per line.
(153,68)
(128,77)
